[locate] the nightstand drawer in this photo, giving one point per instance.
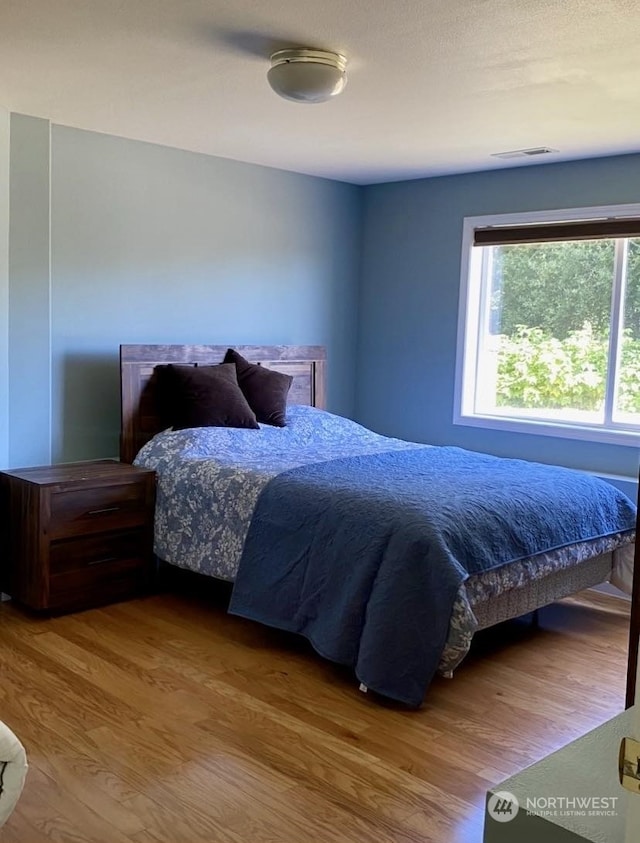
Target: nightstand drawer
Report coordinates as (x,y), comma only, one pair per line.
(96,510)
(95,550)
(98,583)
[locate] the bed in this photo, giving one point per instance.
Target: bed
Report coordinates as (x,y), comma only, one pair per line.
(218,490)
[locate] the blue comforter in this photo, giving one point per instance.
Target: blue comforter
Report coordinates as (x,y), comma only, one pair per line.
(364,555)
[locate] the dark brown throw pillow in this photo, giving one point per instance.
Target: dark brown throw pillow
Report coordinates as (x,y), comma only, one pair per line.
(164,394)
(265,390)
(203,396)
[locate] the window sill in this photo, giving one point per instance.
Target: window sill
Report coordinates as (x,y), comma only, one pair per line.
(582,433)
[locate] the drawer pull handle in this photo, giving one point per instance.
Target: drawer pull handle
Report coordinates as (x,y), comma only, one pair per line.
(102,561)
(104,509)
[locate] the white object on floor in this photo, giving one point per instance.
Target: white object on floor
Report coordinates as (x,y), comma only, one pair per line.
(633,804)
(572,796)
(13,769)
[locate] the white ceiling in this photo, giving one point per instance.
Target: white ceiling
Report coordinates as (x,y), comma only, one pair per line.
(435,86)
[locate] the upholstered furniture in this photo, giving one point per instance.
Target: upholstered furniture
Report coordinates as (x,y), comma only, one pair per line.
(590,804)
(13,769)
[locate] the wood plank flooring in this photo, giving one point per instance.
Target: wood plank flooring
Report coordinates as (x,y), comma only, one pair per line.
(164,720)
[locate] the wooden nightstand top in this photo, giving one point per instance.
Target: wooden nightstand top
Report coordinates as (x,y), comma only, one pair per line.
(76,472)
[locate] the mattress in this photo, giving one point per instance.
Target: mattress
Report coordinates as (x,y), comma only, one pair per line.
(209,482)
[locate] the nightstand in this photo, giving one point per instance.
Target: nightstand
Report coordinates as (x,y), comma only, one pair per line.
(76,535)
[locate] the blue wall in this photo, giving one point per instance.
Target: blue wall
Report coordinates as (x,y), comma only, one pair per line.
(4,286)
(410,276)
(116,241)
(29,293)
(151,244)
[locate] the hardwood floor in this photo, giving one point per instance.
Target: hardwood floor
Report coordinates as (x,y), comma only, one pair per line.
(164,720)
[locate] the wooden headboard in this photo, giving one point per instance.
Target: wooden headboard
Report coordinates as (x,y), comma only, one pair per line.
(139,417)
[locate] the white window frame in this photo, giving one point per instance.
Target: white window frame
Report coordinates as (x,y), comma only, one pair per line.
(471,304)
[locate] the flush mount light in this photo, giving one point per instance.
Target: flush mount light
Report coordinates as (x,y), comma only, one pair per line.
(305,75)
(524,153)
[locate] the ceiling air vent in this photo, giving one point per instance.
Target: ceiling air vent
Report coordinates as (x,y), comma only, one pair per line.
(524,153)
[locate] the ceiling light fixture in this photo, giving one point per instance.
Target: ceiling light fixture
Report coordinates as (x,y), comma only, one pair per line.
(524,153)
(305,75)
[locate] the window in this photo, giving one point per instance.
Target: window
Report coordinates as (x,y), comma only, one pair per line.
(549,327)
